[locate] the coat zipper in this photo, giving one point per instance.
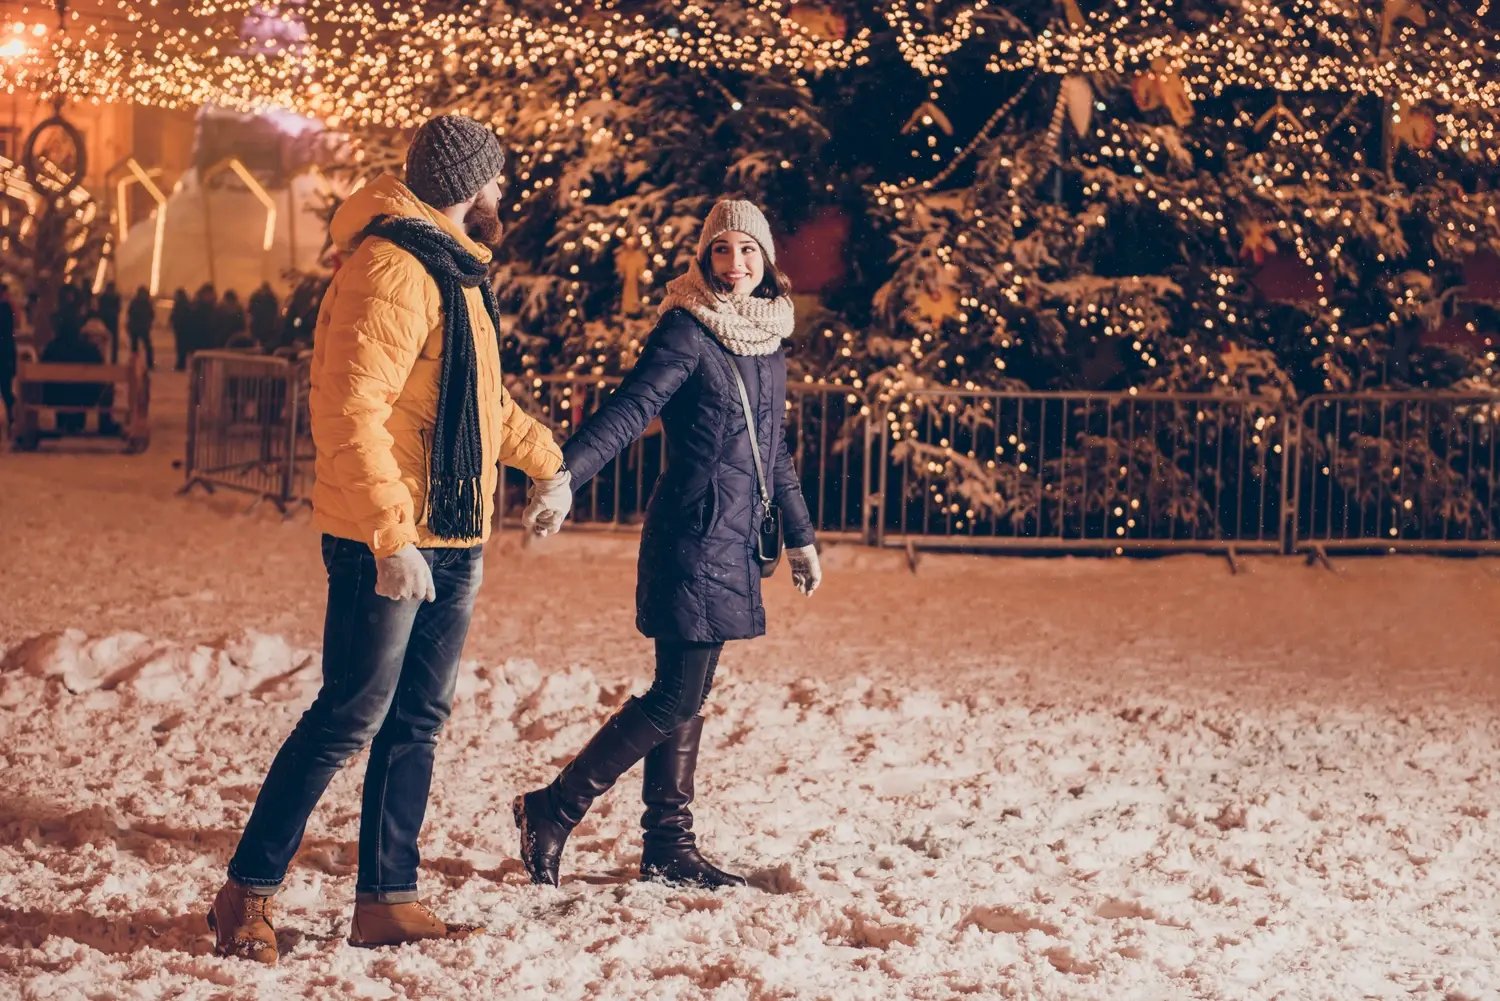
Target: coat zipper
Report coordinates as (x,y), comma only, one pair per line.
(427,475)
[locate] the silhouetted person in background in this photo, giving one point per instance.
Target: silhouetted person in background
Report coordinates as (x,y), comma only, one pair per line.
(73,346)
(233,328)
(181,320)
(139,320)
(264,311)
(7,352)
(109,312)
(96,332)
(204,319)
(67,321)
(302,312)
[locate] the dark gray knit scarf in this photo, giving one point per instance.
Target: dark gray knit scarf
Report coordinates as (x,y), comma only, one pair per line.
(455,502)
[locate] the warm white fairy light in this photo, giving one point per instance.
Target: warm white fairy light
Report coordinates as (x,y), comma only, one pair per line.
(365,63)
(1267,46)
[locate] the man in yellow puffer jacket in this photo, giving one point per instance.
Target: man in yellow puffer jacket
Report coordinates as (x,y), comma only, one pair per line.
(411,422)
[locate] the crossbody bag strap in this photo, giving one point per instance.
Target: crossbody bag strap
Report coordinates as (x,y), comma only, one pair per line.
(760,471)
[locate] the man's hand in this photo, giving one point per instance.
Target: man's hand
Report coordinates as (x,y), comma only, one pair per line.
(807,572)
(548,504)
(404,575)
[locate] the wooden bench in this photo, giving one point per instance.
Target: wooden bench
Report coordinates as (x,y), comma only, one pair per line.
(123,417)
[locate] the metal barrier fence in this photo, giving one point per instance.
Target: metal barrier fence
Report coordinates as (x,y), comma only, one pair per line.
(832,440)
(826,426)
(990,470)
(247,426)
(617,496)
(1082,471)
(1414,471)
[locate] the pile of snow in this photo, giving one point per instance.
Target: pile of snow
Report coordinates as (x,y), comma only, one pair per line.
(903,841)
(149,670)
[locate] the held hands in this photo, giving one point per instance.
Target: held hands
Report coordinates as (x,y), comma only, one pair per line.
(404,575)
(807,572)
(548,504)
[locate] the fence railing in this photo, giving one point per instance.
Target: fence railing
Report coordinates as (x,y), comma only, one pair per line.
(617,496)
(827,427)
(247,426)
(1000,471)
(1036,470)
(1390,471)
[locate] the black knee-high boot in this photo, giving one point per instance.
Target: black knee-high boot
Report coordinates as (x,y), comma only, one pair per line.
(546,816)
(671,852)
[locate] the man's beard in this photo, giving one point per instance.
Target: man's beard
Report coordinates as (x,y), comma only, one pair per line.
(483,225)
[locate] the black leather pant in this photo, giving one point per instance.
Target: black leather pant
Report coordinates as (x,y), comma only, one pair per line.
(684,676)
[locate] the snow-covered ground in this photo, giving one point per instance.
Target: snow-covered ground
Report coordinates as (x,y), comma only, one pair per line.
(991,778)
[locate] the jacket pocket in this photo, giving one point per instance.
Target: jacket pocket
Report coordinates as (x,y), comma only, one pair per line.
(708,508)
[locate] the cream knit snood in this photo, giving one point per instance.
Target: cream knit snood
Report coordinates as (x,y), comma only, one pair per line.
(744,324)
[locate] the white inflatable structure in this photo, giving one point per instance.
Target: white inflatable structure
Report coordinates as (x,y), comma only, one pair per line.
(230,233)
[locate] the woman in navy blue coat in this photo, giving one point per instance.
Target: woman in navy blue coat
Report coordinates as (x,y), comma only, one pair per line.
(699,579)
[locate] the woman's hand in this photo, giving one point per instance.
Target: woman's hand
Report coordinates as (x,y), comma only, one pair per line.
(807,572)
(548,504)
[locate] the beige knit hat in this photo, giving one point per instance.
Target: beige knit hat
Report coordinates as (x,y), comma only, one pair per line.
(741,217)
(451,158)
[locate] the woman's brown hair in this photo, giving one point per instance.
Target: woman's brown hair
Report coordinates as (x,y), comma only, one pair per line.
(773,284)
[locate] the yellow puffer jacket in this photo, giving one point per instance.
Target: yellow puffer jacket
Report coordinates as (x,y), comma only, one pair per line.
(377,360)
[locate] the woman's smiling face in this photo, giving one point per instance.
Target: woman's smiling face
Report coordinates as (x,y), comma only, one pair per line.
(737,261)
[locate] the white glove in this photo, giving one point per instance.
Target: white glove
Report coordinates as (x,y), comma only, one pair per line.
(404,575)
(548,504)
(807,572)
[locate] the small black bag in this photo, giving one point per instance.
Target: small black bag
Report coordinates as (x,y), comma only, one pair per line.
(768,538)
(768,541)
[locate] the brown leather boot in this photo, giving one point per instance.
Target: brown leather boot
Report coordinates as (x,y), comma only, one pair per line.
(376,924)
(241,923)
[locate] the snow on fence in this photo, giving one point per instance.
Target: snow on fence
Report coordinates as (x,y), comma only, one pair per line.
(997,470)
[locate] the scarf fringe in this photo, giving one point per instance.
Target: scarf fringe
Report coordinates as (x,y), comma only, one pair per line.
(455,508)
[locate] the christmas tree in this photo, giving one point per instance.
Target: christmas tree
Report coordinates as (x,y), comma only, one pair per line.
(1216,198)
(1226,198)
(623,129)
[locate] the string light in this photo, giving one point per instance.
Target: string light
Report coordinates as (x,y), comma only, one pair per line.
(363,65)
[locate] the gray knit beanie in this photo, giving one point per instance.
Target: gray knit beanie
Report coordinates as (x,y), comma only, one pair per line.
(451,158)
(741,217)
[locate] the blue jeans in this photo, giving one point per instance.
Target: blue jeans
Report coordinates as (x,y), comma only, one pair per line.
(389,672)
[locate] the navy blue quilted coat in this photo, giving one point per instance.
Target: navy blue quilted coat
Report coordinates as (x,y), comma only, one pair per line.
(698,577)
